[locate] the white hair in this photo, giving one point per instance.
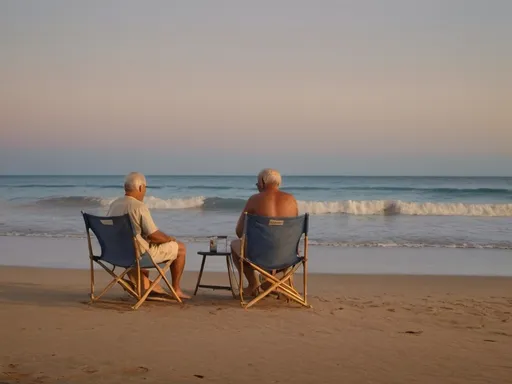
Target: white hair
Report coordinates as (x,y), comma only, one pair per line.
(133,181)
(270,176)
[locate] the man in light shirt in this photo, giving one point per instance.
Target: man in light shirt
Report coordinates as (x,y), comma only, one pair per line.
(160,246)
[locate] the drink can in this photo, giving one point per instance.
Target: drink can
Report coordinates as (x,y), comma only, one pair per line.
(213,244)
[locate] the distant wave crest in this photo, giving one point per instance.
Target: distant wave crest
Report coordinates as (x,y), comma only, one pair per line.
(347,207)
(73,201)
(386,207)
(210,203)
(449,191)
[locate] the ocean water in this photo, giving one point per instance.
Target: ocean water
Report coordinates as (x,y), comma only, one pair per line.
(453,212)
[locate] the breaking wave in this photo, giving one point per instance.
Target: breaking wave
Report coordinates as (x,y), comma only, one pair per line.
(347,207)
(386,207)
(447,191)
(73,201)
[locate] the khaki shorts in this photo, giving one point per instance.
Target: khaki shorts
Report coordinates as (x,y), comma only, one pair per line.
(164,252)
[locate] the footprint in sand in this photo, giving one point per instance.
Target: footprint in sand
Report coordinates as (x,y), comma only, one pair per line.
(41,379)
(417,333)
(336,309)
(16,376)
(500,333)
(137,370)
(89,370)
(321,299)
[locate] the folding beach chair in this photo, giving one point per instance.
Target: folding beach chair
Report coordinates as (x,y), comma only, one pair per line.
(271,245)
(120,248)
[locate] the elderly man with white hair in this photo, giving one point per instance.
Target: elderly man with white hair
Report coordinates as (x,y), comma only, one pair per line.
(161,246)
(270,202)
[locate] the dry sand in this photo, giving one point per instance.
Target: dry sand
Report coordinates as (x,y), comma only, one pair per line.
(361,329)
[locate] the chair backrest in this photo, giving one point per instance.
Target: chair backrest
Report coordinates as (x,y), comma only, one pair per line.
(115,235)
(272,242)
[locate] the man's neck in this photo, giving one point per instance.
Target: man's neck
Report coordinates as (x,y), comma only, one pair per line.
(270,188)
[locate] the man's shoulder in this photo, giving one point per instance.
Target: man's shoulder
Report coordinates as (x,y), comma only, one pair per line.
(254,197)
(265,196)
(118,200)
(137,205)
(251,200)
(128,203)
(258,200)
(287,195)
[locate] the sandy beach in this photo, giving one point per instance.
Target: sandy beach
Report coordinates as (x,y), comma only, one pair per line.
(383,124)
(361,329)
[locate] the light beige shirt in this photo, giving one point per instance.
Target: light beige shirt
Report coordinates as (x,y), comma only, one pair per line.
(142,222)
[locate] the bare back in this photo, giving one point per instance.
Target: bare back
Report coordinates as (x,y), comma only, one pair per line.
(271,203)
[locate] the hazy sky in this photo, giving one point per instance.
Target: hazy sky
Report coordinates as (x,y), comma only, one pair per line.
(331,87)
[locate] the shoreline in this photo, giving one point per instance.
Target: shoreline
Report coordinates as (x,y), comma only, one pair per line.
(66,253)
(217,274)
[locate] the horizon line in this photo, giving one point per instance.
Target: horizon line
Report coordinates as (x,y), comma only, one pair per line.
(244,175)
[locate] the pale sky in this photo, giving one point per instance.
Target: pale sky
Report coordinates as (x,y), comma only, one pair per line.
(310,87)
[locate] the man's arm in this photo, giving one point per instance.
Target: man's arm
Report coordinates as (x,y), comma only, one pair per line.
(159,237)
(148,226)
(240,224)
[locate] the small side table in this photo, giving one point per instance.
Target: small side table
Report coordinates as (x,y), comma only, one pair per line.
(222,287)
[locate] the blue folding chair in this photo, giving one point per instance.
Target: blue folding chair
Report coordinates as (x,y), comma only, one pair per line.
(120,248)
(270,245)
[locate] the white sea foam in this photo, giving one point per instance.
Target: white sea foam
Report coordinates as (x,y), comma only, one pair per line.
(441,243)
(158,203)
(385,207)
(418,243)
(348,207)
(190,202)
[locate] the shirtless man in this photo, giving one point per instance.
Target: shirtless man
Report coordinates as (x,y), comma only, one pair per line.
(161,246)
(270,201)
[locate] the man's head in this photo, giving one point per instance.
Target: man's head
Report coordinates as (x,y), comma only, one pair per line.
(268,178)
(135,185)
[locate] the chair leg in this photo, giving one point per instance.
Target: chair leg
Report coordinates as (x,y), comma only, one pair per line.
(146,294)
(92,281)
(278,285)
(229,275)
(200,274)
(117,279)
(305,272)
(241,271)
(139,281)
(161,275)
